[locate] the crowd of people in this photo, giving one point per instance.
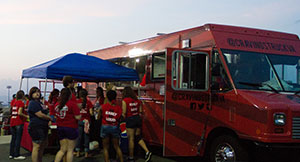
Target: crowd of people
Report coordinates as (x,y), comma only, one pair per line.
(78,120)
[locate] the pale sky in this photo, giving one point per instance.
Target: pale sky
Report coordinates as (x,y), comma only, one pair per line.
(35,31)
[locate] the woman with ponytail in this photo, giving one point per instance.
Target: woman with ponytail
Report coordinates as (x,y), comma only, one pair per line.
(110,129)
(53,98)
(86,111)
(95,122)
(132,111)
(67,115)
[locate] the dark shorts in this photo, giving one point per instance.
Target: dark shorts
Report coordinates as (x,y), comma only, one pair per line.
(134,122)
(107,130)
(38,135)
(67,133)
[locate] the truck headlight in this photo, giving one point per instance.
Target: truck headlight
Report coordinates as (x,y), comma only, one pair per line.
(279,119)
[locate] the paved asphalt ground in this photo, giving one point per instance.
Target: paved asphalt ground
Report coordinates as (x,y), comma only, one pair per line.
(49,155)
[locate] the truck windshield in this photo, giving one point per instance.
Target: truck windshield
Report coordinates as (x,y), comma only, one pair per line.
(260,71)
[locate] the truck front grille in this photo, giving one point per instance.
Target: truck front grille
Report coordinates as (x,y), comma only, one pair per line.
(296,128)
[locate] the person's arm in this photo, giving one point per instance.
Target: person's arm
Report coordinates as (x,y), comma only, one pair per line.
(141,109)
(123,109)
(99,113)
(20,112)
(77,117)
(91,108)
(79,105)
(42,115)
(91,111)
(76,111)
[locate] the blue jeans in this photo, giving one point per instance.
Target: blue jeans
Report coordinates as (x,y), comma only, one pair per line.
(16,136)
(107,130)
(83,138)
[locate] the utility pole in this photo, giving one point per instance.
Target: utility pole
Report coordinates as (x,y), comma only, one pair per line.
(8,93)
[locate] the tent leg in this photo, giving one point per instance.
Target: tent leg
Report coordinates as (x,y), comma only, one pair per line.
(21,83)
(45,91)
(27,84)
(139,89)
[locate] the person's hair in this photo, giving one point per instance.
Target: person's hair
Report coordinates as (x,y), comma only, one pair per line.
(54,93)
(72,89)
(32,91)
(14,95)
(128,92)
(111,95)
(83,94)
(67,80)
(65,94)
(99,92)
(78,89)
(26,96)
(20,95)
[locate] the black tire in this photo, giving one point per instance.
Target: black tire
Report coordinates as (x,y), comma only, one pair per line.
(227,149)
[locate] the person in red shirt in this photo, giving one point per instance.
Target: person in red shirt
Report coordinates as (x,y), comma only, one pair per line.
(13,100)
(26,103)
(99,100)
(53,98)
(131,111)
(16,126)
(95,122)
(86,111)
(111,114)
(67,115)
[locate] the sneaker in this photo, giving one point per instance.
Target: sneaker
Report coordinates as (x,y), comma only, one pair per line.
(130,159)
(20,158)
(77,154)
(87,155)
(148,156)
(10,157)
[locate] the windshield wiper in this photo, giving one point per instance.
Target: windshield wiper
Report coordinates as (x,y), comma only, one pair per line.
(251,84)
(271,87)
(260,85)
(297,92)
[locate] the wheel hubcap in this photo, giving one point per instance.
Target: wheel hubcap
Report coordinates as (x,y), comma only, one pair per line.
(225,153)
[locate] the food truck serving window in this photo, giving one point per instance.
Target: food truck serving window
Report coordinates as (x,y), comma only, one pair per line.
(137,63)
(158,66)
(189,70)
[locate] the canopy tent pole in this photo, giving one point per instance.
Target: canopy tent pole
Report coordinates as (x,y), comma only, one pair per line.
(45,89)
(27,84)
(139,89)
(21,83)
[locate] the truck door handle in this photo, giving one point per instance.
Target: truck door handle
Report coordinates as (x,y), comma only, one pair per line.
(171,122)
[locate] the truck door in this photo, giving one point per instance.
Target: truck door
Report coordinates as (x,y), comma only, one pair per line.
(187,99)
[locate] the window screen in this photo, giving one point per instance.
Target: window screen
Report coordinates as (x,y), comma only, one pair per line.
(189,70)
(158,66)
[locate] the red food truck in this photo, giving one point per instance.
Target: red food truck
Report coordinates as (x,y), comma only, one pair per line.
(210,90)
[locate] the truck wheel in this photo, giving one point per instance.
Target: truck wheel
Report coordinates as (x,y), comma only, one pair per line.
(227,149)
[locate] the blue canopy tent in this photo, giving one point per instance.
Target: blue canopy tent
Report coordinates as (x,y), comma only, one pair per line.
(82,68)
